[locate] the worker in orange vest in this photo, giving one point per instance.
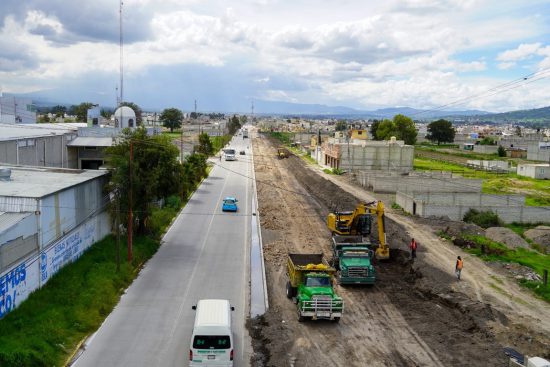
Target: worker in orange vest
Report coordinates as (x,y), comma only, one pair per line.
(458,267)
(413,245)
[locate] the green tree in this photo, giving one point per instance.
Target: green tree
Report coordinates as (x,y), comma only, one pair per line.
(107,113)
(402,127)
(59,110)
(156,172)
(488,141)
(244,119)
(233,125)
(205,145)
(137,111)
(385,130)
(171,118)
(341,125)
(501,151)
(373,128)
(441,131)
(81,111)
(405,129)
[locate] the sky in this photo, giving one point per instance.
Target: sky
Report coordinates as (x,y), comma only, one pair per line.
(224,54)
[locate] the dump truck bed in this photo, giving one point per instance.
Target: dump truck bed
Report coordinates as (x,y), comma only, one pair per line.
(298,264)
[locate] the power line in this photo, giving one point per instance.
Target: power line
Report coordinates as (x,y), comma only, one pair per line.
(516,83)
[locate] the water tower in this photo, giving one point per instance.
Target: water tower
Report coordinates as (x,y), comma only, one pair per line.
(125,117)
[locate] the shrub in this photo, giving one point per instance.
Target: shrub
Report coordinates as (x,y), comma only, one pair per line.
(483,219)
(173,202)
(501,151)
(327,171)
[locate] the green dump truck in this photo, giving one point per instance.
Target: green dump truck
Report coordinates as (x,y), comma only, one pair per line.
(310,286)
(352,257)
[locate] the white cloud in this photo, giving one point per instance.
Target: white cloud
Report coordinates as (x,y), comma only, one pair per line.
(522,52)
(388,53)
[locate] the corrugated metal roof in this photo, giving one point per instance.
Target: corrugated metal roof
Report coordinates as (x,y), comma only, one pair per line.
(22,131)
(82,141)
(8,220)
(39,182)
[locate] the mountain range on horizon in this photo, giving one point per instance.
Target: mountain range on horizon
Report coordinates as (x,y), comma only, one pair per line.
(49,98)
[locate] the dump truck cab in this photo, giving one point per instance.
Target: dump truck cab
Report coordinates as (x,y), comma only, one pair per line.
(355,265)
(352,256)
(310,285)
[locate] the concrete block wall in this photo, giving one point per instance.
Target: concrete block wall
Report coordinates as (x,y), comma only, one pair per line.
(509,209)
(424,184)
(497,165)
(366,178)
(522,214)
(394,157)
(486,149)
(469,198)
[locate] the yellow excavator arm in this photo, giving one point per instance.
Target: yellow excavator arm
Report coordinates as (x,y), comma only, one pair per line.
(383,250)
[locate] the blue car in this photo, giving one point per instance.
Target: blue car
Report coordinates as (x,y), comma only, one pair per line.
(229,204)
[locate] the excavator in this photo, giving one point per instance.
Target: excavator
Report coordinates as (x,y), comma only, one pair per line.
(358,223)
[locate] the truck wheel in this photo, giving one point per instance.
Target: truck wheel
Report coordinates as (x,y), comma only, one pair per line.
(336,319)
(301,318)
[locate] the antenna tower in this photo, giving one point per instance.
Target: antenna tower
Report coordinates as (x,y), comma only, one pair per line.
(121,56)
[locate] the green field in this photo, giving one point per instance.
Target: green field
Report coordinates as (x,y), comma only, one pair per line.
(495,251)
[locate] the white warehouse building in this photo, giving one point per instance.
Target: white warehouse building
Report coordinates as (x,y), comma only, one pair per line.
(48,218)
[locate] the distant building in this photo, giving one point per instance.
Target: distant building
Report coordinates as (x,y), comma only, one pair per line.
(15,110)
(42,145)
(538,171)
(357,154)
(93,116)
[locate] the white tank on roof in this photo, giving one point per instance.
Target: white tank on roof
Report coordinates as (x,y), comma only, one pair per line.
(125,117)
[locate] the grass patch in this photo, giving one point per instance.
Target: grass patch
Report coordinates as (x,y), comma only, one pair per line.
(285,138)
(309,159)
(327,171)
(495,251)
(173,135)
(44,330)
(394,205)
(444,235)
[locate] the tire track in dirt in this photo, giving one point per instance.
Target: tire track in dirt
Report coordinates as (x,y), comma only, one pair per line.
(372,330)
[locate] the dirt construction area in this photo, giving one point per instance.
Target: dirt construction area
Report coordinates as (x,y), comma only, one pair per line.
(417,314)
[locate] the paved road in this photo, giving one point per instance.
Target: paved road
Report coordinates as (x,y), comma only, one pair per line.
(205,255)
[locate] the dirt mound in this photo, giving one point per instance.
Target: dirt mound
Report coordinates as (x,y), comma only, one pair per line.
(452,228)
(506,236)
(540,235)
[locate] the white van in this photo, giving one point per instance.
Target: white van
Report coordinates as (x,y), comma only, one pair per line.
(229,154)
(212,340)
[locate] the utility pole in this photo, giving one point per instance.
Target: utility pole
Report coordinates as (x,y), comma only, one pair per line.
(117,198)
(121,56)
(130,213)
